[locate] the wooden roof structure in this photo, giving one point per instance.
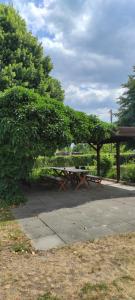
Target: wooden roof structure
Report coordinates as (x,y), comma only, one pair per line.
(123,134)
(126,131)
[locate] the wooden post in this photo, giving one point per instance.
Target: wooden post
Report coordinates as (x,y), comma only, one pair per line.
(98,160)
(118,161)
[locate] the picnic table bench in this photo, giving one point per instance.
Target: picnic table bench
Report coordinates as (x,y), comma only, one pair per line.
(61,181)
(92,178)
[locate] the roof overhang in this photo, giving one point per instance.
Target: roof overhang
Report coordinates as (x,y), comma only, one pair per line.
(126,131)
(123,134)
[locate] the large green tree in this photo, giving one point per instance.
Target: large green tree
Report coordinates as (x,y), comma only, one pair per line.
(126,114)
(30,125)
(22,58)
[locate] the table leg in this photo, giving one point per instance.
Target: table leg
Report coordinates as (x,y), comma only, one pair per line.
(62,185)
(82,181)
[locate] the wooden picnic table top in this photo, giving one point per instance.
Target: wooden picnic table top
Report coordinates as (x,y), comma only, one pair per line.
(70,169)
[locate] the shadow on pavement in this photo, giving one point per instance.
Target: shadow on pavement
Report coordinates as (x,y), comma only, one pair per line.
(42,199)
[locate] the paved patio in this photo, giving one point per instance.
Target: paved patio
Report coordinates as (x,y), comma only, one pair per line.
(52,219)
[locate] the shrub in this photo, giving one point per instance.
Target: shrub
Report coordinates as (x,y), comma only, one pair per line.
(128,172)
(105,164)
(126,158)
(72,160)
(112,173)
(21,247)
(88,161)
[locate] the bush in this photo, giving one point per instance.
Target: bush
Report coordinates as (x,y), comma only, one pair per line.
(88,161)
(92,170)
(128,172)
(105,165)
(66,161)
(112,173)
(126,158)
(10,193)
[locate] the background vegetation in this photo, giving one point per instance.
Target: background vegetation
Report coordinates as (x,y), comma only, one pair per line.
(88,160)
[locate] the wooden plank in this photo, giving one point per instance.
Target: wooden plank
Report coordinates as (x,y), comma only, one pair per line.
(98,161)
(126,131)
(118,161)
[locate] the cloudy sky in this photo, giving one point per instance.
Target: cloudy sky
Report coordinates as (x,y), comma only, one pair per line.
(91,43)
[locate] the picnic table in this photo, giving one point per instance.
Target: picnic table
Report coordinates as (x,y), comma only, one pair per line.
(72,174)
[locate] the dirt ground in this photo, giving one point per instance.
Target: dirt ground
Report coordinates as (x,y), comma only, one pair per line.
(99,270)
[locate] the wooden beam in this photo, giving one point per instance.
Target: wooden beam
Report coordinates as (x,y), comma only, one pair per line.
(95,148)
(126,131)
(118,161)
(98,160)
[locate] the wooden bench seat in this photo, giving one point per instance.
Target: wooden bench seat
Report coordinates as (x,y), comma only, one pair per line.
(61,181)
(96,179)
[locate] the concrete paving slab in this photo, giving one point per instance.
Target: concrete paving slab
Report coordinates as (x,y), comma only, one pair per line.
(34,228)
(128,201)
(47,242)
(70,236)
(119,185)
(122,227)
(132,222)
(52,218)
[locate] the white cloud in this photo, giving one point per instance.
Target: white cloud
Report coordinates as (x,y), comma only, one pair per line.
(93,99)
(56,44)
(81,24)
(90,96)
(47,3)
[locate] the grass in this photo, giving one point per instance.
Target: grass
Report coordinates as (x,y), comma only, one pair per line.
(99,270)
(47,296)
(102,286)
(5,215)
(107,290)
(11,236)
(92,291)
(20,247)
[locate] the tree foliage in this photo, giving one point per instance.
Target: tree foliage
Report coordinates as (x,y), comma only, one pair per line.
(88,128)
(30,125)
(126,113)
(22,59)
(82,148)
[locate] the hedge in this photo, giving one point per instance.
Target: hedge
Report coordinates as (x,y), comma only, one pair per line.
(88,161)
(127,172)
(66,161)
(126,157)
